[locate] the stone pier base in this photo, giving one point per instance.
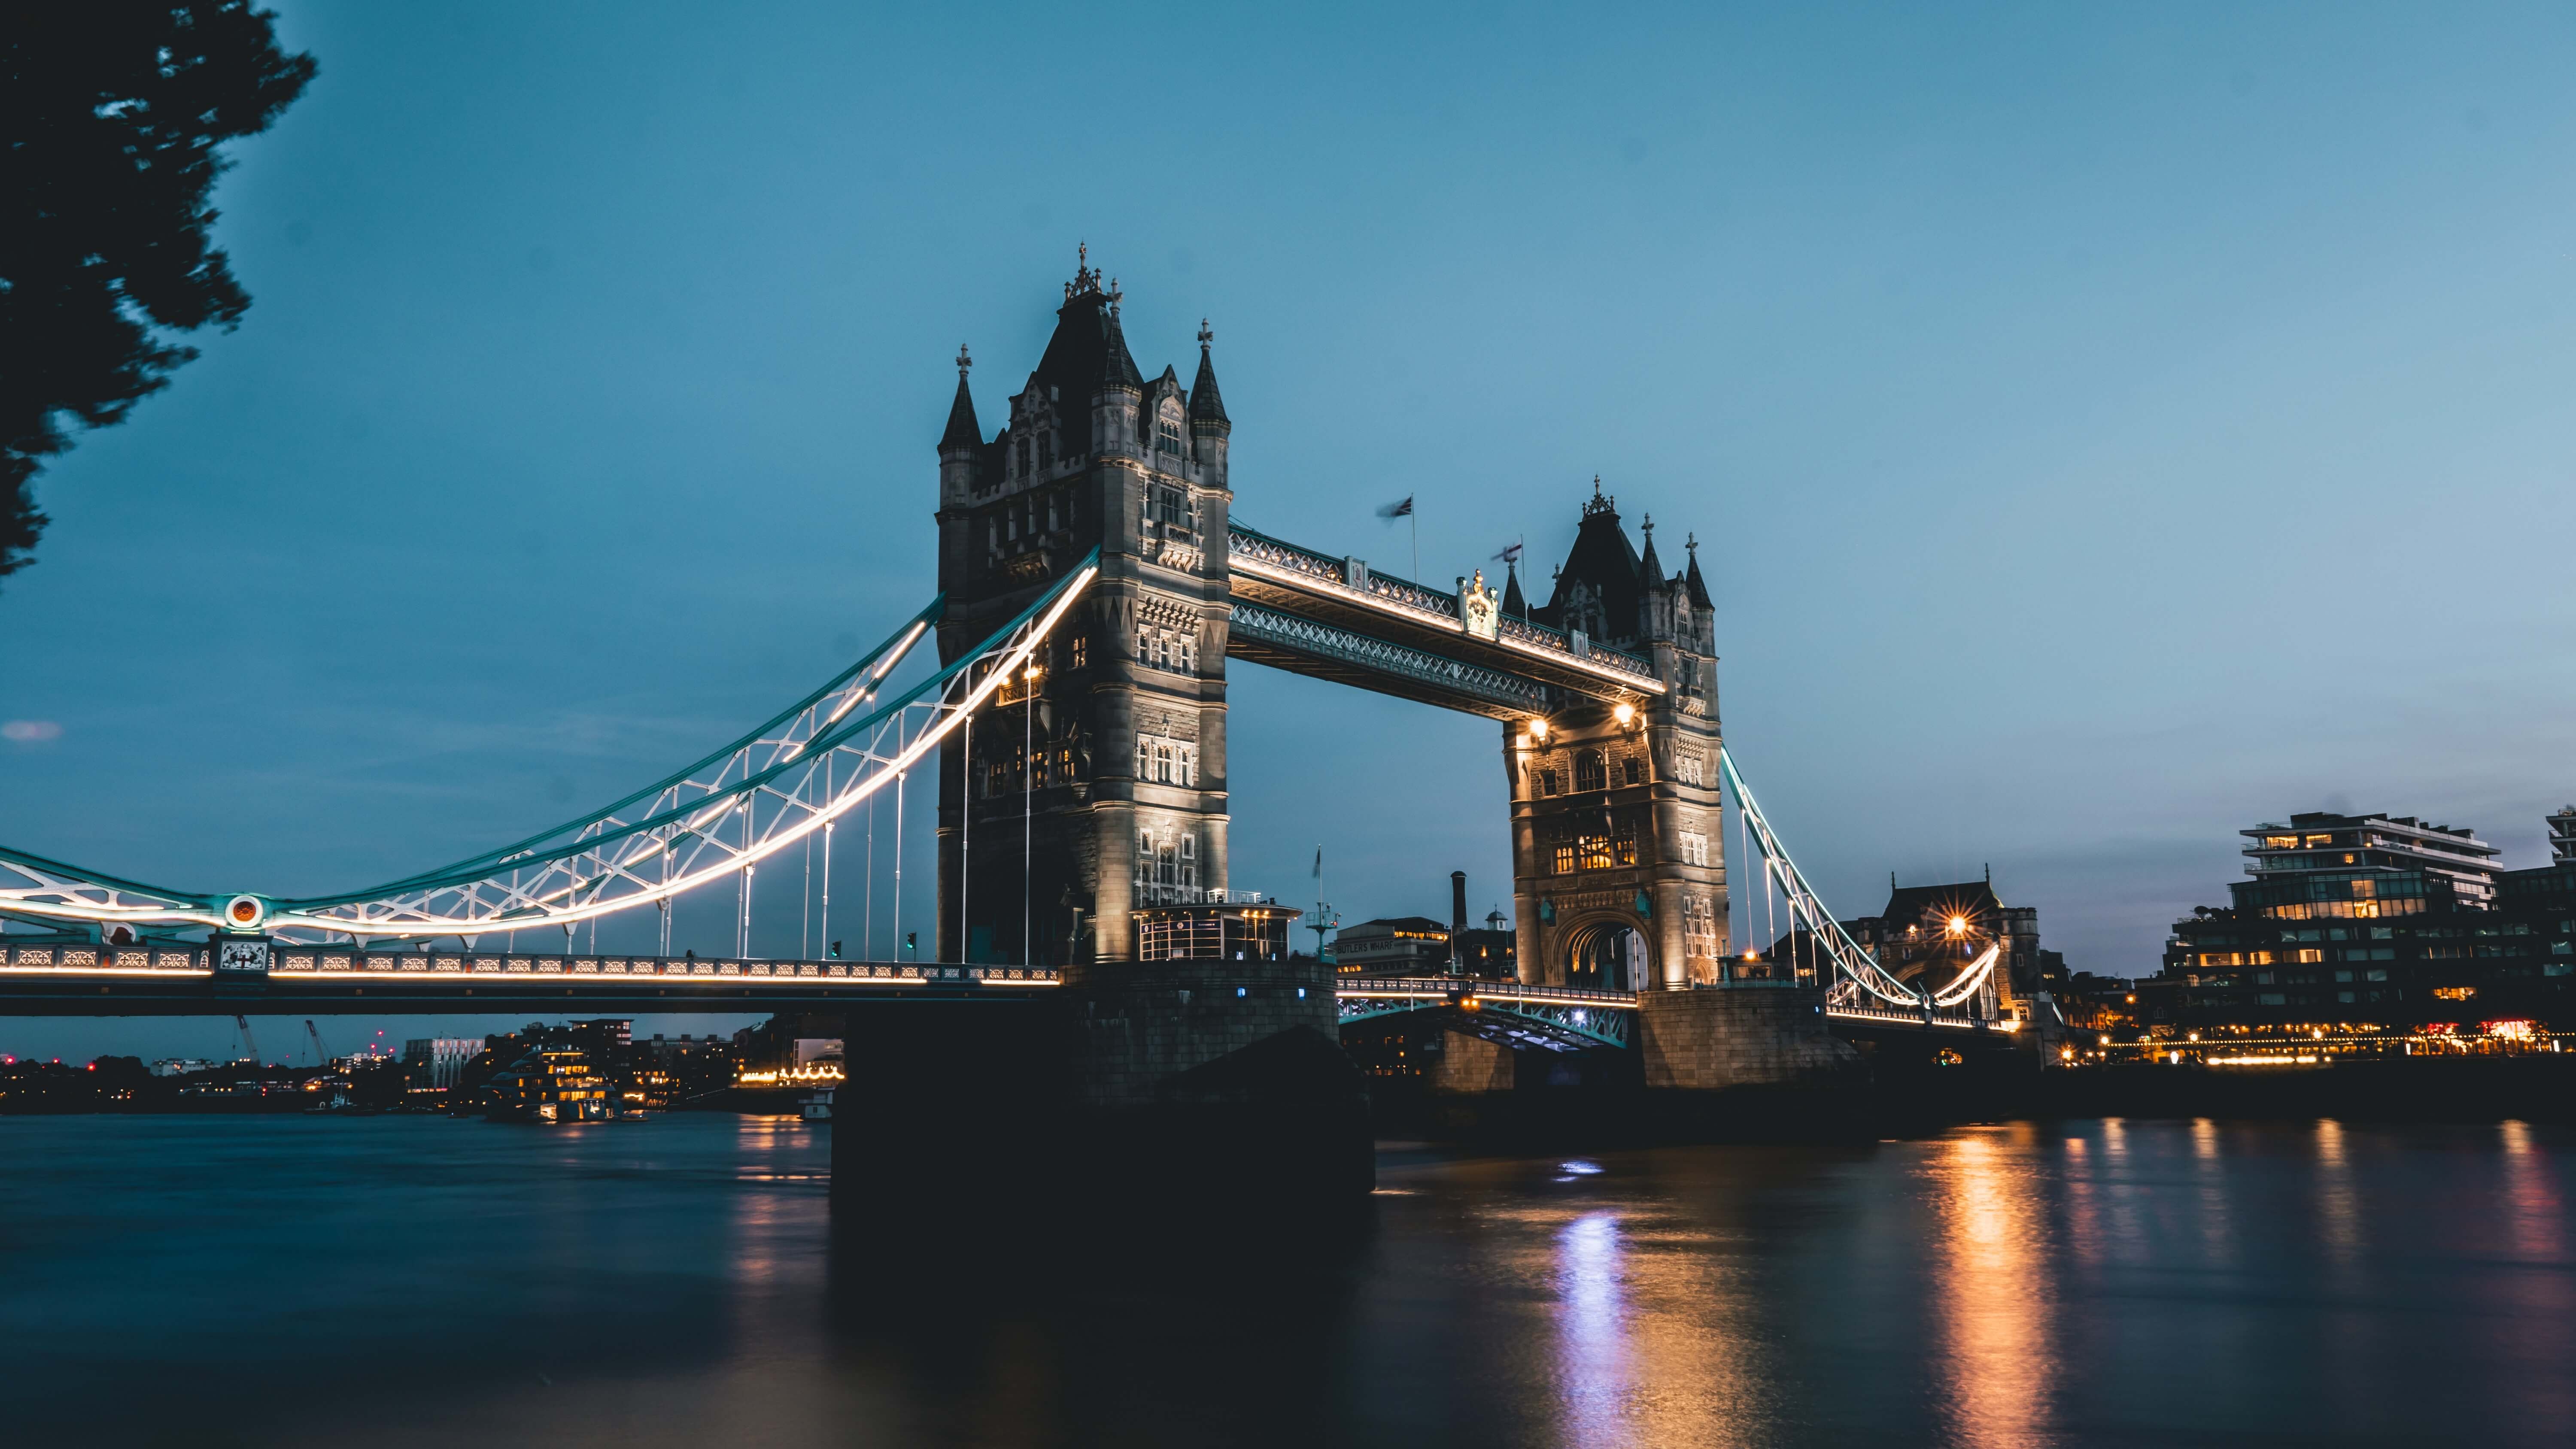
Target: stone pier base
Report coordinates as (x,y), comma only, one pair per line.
(1218,1082)
(1177,1087)
(1723,1038)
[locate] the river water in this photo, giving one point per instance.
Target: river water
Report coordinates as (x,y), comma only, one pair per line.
(398,1281)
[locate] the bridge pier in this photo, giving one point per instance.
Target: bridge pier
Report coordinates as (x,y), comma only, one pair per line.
(1722,1038)
(1174,1086)
(1217,1082)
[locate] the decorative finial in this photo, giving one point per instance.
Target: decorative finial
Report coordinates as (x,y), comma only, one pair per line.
(1085,280)
(1205,336)
(1690,543)
(1650,523)
(963,361)
(1596,485)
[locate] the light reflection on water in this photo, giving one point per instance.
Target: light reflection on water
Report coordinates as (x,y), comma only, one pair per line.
(1990,1292)
(675,1283)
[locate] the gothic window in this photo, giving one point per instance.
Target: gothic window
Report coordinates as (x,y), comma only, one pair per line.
(1167,431)
(1163,764)
(1588,771)
(1079,656)
(1694,848)
(1687,767)
(1549,782)
(1046,448)
(1633,770)
(1023,451)
(1172,506)
(1144,758)
(1189,878)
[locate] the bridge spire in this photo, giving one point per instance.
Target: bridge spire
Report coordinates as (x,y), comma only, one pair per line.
(1650,567)
(1207,405)
(1698,586)
(962,430)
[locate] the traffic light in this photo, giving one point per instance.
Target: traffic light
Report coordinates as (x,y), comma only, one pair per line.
(835,953)
(911,942)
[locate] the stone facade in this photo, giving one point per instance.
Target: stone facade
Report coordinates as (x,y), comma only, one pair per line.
(1473,1064)
(1618,843)
(1741,1036)
(1108,771)
(1137,1026)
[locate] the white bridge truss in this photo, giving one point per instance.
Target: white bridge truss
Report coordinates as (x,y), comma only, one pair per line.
(793,776)
(1857,975)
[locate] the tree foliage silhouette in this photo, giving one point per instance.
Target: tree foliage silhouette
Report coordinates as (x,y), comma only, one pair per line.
(112,113)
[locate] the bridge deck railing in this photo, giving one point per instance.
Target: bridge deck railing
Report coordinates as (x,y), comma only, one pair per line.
(1439,604)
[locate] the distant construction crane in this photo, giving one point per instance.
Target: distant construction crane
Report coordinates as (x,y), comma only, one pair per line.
(321,1054)
(249,1044)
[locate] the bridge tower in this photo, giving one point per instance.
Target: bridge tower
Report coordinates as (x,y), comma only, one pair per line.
(1618,852)
(1107,773)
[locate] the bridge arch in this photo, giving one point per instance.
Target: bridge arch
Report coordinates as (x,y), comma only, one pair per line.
(1607,951)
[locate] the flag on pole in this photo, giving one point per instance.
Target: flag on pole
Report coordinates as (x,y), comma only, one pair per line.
(1511,554)
(1398,510)
(1319,862)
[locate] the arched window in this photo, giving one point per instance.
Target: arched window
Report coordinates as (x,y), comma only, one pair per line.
(1167,431)
(1633,770)
(1023,452)
(1588,771)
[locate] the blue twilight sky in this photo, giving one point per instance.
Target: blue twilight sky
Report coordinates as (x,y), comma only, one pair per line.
(2103,431)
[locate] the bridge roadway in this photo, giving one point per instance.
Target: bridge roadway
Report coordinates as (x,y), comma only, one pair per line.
(178,980)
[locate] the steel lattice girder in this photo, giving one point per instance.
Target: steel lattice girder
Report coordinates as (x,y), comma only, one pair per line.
(1551,1026)
(1259,633)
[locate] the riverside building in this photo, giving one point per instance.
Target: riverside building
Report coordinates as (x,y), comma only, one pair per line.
(2373,919)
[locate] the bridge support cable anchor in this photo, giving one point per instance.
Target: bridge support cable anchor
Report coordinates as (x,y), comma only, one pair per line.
(643,850)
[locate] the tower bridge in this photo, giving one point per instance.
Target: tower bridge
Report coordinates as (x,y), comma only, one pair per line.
(1094,586)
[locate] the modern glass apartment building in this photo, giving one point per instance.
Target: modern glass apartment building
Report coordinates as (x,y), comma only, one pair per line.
(2374,918)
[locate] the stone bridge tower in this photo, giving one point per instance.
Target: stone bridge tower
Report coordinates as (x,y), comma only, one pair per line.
(1617,843)
(1113,759)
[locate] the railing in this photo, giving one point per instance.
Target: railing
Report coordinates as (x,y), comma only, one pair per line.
(1407,987)
(1388,590)
(1155,894)
(291,962)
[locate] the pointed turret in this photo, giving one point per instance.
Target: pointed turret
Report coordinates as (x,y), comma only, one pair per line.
(1650,567)
(1698,585)
(1086,358)
(1207,405)
(1209,426)
(1598,589)
(1119,366)
(1514,606)
(962,431)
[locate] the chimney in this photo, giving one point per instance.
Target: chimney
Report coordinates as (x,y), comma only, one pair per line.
(1457,921)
